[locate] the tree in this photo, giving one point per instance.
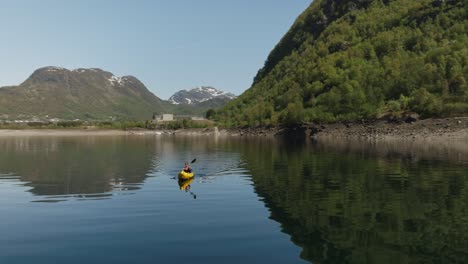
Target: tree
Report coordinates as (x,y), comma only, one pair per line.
(210,114)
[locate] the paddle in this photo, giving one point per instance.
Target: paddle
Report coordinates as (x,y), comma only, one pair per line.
(194,195)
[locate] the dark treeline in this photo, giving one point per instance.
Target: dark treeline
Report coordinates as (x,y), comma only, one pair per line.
(362,59)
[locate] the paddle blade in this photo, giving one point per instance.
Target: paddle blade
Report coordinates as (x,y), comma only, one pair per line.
(193,161)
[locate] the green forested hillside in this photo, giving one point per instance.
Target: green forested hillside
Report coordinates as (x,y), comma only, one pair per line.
(355,59)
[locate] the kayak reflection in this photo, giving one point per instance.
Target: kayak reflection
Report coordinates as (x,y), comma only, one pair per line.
(184,185)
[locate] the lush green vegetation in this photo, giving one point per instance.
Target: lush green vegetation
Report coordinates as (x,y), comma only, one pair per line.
(361,59)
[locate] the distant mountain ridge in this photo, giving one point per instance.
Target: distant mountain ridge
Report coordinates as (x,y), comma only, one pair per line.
(95,94)
(199,95)
(80,93)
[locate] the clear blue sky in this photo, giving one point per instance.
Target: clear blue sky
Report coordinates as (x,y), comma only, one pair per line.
(168,44)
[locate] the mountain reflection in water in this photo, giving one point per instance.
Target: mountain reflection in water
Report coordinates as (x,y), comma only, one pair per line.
(81,167)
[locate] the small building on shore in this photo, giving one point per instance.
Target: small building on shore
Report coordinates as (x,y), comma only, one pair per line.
(163,117)
(172,117)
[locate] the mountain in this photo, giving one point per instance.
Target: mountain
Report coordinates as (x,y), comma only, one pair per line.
(200,95)
(362,59)
(199,108)
(198,100)
(54,92)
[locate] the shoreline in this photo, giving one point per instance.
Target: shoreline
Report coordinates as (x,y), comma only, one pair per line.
(60,132)
(455,128)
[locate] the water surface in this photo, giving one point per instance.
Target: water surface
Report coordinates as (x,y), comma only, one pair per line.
(107,199)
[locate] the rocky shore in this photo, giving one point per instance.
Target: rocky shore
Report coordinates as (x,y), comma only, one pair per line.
(449,128)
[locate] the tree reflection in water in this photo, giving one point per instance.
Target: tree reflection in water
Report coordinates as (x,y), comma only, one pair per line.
(366,202)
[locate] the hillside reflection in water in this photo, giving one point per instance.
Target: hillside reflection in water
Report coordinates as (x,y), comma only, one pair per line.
(367,202)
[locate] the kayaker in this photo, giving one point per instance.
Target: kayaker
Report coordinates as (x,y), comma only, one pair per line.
(187,168)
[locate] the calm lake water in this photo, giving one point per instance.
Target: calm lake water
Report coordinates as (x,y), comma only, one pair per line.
(115,200)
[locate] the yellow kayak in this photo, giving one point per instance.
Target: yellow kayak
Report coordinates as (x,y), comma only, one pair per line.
(185,175)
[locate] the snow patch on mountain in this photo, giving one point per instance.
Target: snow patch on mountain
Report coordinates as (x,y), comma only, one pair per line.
(54,69)
(115,80)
